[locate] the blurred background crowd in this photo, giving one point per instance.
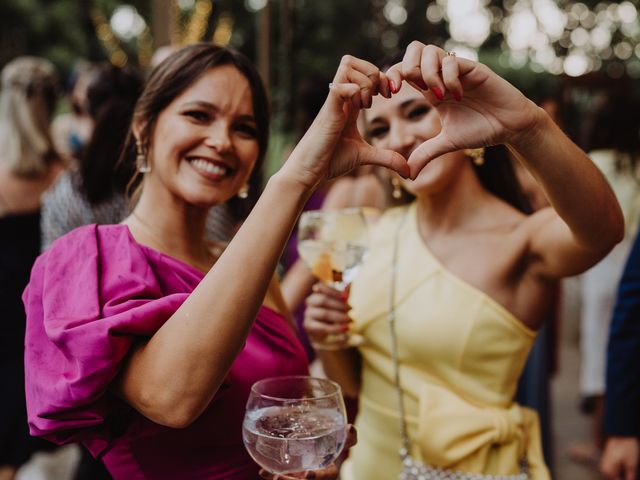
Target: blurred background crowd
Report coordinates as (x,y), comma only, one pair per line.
(88,60)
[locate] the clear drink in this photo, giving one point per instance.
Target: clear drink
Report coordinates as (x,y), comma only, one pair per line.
(294,423)
(294,438)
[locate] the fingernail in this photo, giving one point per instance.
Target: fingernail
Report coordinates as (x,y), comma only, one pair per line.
(457,96)
(437,92)
(393,86)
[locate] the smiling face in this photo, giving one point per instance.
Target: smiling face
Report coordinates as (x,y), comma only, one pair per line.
(404,122)
(204,143)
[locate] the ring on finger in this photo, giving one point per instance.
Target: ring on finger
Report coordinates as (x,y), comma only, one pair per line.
(450,54)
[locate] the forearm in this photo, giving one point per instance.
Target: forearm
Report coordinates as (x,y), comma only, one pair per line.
(343,367)
(575,187)
(175,375)
(296,285)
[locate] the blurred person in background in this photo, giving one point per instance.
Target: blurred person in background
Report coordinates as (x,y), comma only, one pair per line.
(461,278)
(613,143)
(621,455)
(94,192)
(71,130)
(29,164)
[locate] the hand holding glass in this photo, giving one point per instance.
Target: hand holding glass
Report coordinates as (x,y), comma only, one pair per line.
(333,244)
(294,423)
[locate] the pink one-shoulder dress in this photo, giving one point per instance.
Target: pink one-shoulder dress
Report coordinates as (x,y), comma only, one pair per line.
(91,296)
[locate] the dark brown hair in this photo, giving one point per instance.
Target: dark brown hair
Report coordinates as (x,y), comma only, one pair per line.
(111,96)
(496,175)
(177,73)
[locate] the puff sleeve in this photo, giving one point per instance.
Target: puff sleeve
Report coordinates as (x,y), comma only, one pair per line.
(90,296)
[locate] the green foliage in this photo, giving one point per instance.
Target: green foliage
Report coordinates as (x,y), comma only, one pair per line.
(59,30)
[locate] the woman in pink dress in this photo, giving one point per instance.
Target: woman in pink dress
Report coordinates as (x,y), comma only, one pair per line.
(143,340)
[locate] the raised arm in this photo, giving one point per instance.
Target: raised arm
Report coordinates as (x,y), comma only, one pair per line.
(479,108)
(173,377)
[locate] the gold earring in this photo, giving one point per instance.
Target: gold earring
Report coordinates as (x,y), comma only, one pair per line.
(476,155)
(244,191)
(141,159)
(396,193)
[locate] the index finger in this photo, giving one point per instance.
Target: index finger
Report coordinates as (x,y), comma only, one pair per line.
(367,69)
(331,292)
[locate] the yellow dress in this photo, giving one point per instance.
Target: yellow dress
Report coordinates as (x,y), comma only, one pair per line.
(460,353)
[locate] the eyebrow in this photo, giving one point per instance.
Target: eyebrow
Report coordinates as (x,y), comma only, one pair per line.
(214,108)
(402,106)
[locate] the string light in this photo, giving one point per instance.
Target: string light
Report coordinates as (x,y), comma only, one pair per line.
(197,26)
(224,30)
(116,55)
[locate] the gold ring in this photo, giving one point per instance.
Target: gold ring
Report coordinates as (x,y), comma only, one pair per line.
(451,54)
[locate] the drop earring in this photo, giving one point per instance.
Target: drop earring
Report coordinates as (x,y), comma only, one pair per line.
(243,193)
(396,191)
(476,155)
(141,159)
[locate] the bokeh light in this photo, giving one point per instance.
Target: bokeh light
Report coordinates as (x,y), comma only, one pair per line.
(127,23)
(554,36)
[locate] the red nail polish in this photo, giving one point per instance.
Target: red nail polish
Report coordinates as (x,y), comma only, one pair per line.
(437,92)
(457,96)
(392,86)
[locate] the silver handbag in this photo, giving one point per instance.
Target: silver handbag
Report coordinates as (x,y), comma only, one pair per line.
(411,468)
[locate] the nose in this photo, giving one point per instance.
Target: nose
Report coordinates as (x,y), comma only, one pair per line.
(400,139)
(218,137)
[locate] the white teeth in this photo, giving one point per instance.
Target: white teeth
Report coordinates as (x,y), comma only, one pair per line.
(208,167)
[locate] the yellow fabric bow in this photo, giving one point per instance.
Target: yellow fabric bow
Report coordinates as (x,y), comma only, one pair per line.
(457,434)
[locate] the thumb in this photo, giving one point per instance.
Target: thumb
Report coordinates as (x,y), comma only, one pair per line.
(432,148)
(369,155)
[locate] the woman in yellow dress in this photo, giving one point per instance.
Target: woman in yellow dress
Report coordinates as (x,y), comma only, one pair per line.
(470,279)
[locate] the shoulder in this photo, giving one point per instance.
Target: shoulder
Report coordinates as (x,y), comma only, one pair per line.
(101,238)
(86,259)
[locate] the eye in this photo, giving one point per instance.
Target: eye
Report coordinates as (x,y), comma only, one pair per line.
(378,132)
(247,130)
(198,115)
(418,112)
